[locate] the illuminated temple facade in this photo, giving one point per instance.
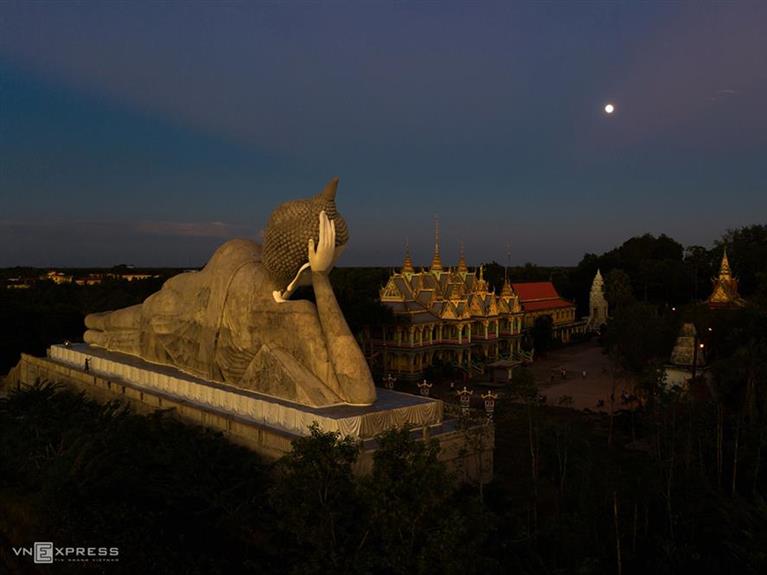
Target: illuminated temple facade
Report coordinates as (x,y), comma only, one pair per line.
(452,316)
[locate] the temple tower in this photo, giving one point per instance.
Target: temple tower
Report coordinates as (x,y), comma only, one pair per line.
(725,293)
(597,304)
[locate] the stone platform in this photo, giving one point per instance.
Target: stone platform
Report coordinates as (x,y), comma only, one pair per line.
(268,425)
(392,409)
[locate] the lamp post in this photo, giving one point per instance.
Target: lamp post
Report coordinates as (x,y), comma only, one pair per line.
(424,388)
(464,396)
(489,398)
(695,356)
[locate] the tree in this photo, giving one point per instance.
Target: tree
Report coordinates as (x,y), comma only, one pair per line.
(747,251)
(317,501)
(618,292)
(638,333)
(417,522)
(542,333)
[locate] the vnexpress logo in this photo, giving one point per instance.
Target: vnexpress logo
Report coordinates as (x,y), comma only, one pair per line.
(43,552)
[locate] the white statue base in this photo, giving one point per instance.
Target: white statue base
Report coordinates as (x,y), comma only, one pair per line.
(392,409)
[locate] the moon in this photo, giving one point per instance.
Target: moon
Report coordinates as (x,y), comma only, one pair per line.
(609,109)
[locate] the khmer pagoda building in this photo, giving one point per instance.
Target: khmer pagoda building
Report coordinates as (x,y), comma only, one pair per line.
(725,293)
(452,316)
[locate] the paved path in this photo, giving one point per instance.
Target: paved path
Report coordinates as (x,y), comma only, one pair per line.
(585,391)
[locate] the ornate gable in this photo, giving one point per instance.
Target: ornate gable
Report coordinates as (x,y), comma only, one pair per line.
(390,292)
(493,307)
(475,306)
(449,311)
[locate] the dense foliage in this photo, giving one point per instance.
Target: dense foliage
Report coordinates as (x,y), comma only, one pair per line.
(179,499)
(673,487)
(33,319)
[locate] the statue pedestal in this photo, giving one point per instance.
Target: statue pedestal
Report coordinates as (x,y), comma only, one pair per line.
(265,424)
(392,409)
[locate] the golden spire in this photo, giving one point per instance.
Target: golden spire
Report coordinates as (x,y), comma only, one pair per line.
(506,291)
(436,262)
(508,263)
(725,292)
(462,267)
(407,266)
(724,268)
(480,285)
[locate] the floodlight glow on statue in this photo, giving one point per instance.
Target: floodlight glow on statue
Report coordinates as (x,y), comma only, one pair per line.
(233,321)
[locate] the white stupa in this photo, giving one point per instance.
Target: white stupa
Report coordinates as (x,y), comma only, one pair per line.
(597,304)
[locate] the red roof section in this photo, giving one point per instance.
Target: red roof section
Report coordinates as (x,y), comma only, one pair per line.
(535,291)
(537,296)
(546,304)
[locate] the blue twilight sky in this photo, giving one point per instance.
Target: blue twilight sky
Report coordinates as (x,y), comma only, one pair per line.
(148,133)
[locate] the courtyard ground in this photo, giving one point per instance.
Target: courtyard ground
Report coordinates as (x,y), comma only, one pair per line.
(587,391)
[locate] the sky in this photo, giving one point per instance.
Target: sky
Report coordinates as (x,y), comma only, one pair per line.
(150,133)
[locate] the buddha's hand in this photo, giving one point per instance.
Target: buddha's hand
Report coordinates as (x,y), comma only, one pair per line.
(321,259)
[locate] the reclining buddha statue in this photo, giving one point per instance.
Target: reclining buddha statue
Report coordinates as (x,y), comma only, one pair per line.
(234,321)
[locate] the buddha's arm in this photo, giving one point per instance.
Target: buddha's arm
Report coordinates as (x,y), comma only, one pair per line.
(348,362)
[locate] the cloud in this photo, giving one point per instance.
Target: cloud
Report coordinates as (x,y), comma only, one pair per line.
(722,95)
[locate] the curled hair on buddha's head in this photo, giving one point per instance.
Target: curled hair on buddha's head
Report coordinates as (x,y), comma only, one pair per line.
(290,226)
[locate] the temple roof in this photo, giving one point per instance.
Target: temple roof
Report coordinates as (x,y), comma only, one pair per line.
(529,291)
(539,296)
(558,303)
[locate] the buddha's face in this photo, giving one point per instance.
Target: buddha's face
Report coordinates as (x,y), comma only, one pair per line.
(290,227)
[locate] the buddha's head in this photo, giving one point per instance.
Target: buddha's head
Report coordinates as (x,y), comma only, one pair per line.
(288,231)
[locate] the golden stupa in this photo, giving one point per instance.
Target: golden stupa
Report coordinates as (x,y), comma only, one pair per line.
(725,293)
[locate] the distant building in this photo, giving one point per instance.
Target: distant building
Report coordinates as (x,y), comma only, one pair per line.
(58,277)
(19,283)
(725,293)
(597,305)
(91,279)
(132,277)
